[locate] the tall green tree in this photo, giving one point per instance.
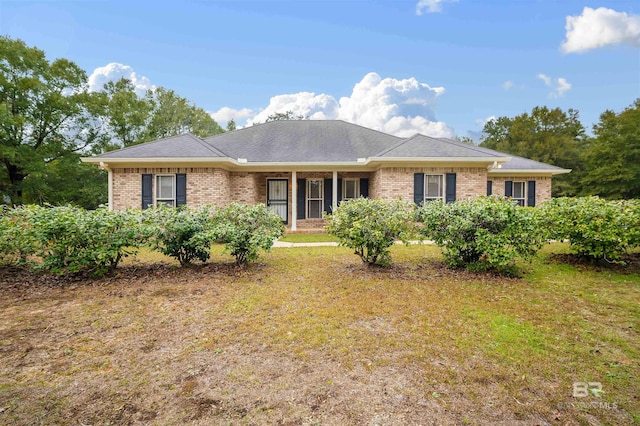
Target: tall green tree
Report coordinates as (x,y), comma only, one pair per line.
(46,114)
(612,157)
(288,115)
(551,136)
(173,115)
(127,115)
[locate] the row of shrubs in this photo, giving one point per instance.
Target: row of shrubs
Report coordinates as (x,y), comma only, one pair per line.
(478,234)
(489,232)
(71,240)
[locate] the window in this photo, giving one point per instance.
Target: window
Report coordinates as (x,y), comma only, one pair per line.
(314,199)
(519,195)
(166,190)
(433,187)
(350,189)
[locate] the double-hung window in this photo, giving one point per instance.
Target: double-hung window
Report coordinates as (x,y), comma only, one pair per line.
(433,187)
(350,189)
(519,193)
(166,190)
(314,199)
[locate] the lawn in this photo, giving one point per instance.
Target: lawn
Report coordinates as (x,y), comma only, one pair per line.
(309,335)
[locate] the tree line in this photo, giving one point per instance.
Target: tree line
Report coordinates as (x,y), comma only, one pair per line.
(606,164)
(49,119)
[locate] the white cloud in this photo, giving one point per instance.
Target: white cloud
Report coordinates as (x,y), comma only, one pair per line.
(601,27)
(115,71)
(307,104)
(431,6)
(399,107)
(482,121)
(225,114)
(545,78)
(559,86)
(507,85)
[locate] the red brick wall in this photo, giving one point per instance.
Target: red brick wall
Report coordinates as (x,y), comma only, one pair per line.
(543,185)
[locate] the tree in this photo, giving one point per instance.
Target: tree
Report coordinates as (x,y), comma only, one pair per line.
(548,135)
(612,157)
(173,115)
(231,125)
(464,139)
(288,115)
(46,114)
(126,113)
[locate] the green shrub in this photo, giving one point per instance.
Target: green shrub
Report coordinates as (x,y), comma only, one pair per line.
(596,228)
(70,239)
(17,239)
(482,233)
(370,227)
(245,230)
(180,233)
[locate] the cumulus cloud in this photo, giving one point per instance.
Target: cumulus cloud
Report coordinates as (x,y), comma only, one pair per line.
(601,27)
(226,114)
(507,85)
(431,6)
(115,71)
(559,86)
(399,107)
(307,104)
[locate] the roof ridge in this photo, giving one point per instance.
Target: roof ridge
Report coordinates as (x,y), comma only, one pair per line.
(469,146)
(399,144)
(207,145)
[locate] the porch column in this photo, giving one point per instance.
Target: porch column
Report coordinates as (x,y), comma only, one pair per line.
(334,193)
(110,186)
(294,200)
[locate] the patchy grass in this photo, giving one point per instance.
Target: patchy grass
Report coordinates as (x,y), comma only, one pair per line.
(308,238)
(311,336)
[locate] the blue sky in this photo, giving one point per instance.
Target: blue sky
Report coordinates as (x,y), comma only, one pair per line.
(439,66)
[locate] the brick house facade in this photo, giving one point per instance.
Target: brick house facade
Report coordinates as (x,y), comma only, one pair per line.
(304,168)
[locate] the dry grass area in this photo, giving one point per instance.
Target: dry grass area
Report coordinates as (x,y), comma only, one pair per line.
(311,336)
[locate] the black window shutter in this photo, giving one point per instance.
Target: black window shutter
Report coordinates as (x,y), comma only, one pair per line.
(339,191)
(301,198)
(531,193)
(364,187)
(418,188)
(147,191)
(489,187)
(181,189)
(508,188)
(450,195)
(328,194)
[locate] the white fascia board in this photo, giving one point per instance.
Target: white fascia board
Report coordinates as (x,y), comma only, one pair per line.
(528,172)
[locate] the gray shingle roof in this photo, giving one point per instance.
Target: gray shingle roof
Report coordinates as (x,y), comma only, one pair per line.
(421,146)
(517,163)
(302,141)
(181,146)
(317,141)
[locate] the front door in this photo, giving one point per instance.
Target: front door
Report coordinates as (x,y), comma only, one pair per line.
(278,197)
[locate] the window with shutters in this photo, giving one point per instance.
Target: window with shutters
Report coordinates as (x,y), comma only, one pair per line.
(166,190)
(350,189)
(314,199)
(519,193)
(433,187)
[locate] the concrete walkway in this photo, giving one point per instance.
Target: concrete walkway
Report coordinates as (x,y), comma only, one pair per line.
(331,244)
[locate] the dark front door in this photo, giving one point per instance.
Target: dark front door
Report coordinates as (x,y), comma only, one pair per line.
(278,197)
